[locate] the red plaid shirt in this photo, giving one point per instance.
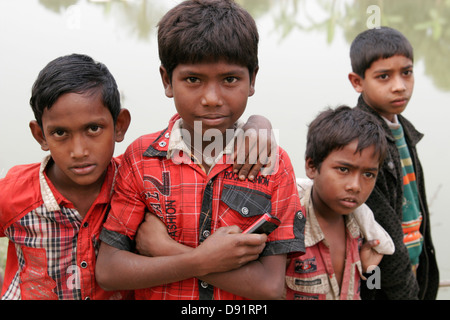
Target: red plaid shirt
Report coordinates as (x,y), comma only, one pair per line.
(52,249)
(194,204)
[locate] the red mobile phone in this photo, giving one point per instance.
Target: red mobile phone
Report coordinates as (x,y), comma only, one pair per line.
(266,224)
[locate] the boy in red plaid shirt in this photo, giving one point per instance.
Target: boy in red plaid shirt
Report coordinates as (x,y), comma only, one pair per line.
(52,212)
(208,51)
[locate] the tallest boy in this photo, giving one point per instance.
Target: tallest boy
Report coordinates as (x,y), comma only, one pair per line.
(208,51)
(382,62)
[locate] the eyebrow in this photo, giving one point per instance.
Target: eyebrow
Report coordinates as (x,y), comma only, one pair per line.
(95,122)
(409,66)
(346,164)
(188,72)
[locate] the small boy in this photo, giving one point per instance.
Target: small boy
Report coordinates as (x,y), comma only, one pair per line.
(52,211)
(343,153)
(382,63)
(208,51)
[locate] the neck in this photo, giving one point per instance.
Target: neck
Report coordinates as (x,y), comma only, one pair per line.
(324,214)
(208,146)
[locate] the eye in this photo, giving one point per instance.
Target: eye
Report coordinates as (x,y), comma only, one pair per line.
(369,175)
(192,80)
(343,169)
(408,72)
(383,76)
(58,133)
(230,80)
(94,129)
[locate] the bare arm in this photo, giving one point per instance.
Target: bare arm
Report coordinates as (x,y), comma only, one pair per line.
(225,250)
(261,278)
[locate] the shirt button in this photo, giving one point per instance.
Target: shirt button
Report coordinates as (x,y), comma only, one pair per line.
(206,233)
(204,284)
(162,144)
(84,264)
(85,225)
(300,215)
(167,135)
(244,211)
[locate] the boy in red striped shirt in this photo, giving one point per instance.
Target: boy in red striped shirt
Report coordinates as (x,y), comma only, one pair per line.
(208,51)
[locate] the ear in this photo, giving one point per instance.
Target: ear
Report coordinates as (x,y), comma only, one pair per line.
(252,82)
(166,82)
(38,135)
(310,168)
(122,124)
(356,81)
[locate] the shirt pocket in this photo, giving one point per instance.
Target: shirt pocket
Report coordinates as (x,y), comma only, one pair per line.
(306,280)
(247,202)
(315,284)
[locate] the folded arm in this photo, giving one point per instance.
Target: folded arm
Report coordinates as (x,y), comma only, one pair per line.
(118,269)
(253,278)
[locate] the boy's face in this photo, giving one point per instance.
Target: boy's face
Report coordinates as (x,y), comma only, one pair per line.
(388,85)
(345,180)
(213,94)
(79,132)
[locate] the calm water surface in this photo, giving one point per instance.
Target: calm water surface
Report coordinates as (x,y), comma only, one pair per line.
(303,68)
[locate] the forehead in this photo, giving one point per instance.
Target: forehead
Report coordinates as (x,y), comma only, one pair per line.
(391,63)
(366,158)
(75,108)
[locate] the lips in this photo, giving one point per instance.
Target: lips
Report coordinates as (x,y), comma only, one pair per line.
(212,120)
(349,202)
(212,116)
(400,101)
(83,169)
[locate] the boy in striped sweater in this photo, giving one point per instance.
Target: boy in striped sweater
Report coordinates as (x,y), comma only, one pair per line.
(382,63)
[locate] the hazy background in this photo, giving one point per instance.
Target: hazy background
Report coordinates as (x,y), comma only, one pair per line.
(304,62)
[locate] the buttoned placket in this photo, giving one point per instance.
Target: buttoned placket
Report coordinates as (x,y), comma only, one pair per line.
(206,291)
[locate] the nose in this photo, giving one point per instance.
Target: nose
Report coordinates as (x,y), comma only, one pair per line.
(211,96)
(79,147)
(398,84)
(353,184)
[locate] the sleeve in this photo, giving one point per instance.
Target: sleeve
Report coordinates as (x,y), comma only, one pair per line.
(289,236)
(398,280)
(372,230)
(127,205)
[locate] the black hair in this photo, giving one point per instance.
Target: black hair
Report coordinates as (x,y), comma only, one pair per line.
(333,129)
(374,44)
(75,73)
(208,30)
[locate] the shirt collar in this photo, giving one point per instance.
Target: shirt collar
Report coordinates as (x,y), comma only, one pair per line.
(313,232)
(392,124)
(53,199)
(177,143)
(170,142)
(47,195)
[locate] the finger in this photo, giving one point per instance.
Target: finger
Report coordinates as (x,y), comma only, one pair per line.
(246,149)
(268,157)
(239,151)
(244,172)
(370,244)
(229,230)
(253,239)
(255,170)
